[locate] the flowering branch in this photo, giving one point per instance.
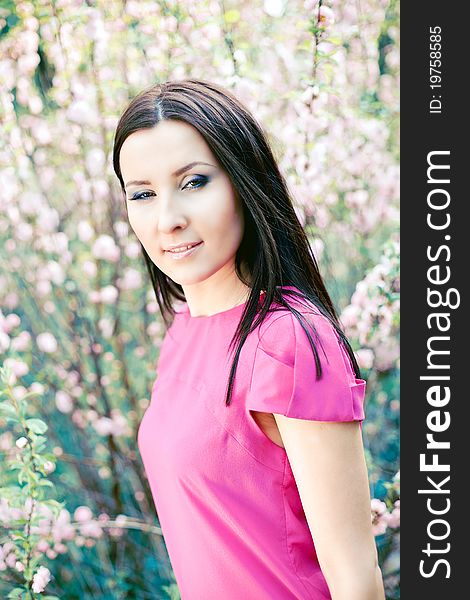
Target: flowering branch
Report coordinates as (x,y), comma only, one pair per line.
(24,498)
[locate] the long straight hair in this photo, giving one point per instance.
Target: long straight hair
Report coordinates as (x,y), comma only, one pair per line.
(274,250)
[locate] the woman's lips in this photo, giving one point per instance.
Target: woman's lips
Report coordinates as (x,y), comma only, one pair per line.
(188,252)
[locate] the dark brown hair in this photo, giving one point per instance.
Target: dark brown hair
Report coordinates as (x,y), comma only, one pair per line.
(275,250)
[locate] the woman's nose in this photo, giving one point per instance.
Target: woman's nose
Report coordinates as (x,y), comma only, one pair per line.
(170,214)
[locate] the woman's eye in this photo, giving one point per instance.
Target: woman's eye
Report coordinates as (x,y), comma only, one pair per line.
(201,180)
(194,184)
(141,195)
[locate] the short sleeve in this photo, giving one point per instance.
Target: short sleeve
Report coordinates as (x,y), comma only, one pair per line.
(284,373)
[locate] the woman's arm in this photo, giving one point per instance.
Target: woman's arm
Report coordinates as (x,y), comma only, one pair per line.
(328,463)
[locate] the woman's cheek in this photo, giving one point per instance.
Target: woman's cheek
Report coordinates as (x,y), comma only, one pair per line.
(139,226)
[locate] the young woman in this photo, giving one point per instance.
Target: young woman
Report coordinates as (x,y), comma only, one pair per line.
(252,441)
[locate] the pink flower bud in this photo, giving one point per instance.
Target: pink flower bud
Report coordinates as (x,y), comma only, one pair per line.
(41,579)
(49,466)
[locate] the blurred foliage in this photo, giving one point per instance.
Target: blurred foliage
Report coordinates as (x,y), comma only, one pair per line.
(78,321)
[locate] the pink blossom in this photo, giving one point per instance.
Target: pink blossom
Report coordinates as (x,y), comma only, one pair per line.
(132,249)
(152,307)
(49,307)
(132,280)
(41,579)
(43,288)
(63,402)
(104,425)
(109,294)
(11,300)
(105,248)
(77,390)
(49,466)
(27,64)
(7,556)
(120,425)
(48,219)
(21,442)
(116,532)
(378,506)
(63,529)
(365,358)
(94,296)
(274,8)
(19,391)
(95,26)
(4,342)
(24,232)
(134,9)
(121,228)
(89,268)
(379,516)
(91,529)
(18,367)
(326,16)
(42,545)
(79,112)
(46,342)
(41,131)
(394,518)
(21,342)
(78,418)
(85,231)
(91,415)
(379,525)
(35,105)
(95,160)
(56,242)
(154,329)
(31,201)
(83,514)
(310,5)
(54,272)
(106,326)
(100,188)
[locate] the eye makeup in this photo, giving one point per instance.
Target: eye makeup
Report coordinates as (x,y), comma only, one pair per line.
(201,180)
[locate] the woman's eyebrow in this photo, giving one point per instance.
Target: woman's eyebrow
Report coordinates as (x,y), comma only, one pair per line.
(175,174)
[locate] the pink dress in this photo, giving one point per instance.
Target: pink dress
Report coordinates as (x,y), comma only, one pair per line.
(225,494)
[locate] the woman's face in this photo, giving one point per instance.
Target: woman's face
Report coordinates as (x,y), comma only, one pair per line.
(170,203)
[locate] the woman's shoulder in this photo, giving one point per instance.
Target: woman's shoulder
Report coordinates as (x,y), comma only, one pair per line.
(285,378)
(282,330)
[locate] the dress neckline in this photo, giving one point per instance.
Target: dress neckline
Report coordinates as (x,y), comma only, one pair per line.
(223,313)
(235,309)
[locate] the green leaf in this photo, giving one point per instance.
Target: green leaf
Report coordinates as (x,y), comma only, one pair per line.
(38,440)
(232,16)
(45,482)
(50,456)
(7,410)
(52,502)
(15,464)
(36,425)
(39,447)
(16,593)
(10,491)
